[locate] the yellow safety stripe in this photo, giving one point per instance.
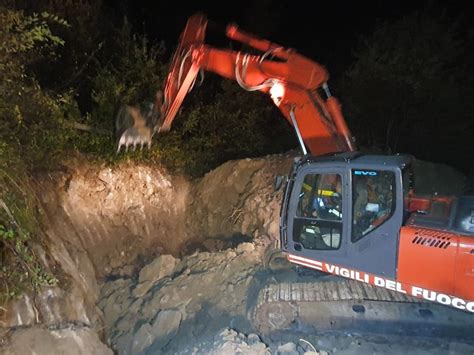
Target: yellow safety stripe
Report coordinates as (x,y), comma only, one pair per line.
(327,193)
(321,192)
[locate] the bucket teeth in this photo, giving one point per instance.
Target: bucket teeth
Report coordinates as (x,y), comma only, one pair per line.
(132,138)
(137,124)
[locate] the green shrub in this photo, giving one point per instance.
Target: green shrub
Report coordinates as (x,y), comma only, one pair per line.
(32,119)
(33,132)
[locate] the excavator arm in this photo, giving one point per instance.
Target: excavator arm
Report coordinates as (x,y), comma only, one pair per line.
(290,79)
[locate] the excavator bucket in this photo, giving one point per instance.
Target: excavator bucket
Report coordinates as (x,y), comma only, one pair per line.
(136,125)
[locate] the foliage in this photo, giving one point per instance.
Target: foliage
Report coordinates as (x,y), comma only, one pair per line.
(82,42)
(21,34)
(32,119)
(408,90)
(132,75)
(231,124)
(20,268)
(218,123)
(31,122)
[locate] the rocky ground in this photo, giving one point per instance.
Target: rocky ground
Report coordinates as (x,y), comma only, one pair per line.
(202,304)
(195,296)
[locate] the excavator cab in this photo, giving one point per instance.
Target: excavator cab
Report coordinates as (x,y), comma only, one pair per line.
(346,210)
(351,215)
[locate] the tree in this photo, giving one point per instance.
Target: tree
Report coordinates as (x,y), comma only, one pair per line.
(31,119)
(410,89)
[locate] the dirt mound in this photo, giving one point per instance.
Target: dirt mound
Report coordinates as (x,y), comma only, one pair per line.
(237,201)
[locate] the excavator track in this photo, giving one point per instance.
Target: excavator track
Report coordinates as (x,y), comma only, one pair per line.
(352,306)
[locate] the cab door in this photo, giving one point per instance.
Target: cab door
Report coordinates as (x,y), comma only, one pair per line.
(376,219)
(317,215)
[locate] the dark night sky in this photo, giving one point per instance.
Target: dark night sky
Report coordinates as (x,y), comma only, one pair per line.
(326,31)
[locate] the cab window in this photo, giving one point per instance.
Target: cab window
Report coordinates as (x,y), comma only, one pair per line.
(373,198)
(318,220)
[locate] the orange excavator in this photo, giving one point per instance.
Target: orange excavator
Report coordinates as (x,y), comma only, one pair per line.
(344,212)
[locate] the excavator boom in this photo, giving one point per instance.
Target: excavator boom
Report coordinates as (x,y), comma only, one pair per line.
(290,79)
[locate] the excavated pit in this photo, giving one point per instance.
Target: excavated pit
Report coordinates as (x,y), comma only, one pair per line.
(124,217)
(155,263)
